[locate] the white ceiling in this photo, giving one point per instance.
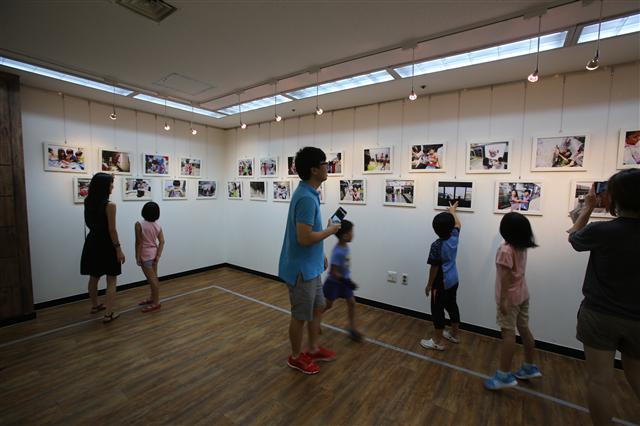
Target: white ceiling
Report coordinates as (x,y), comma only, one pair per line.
(223,47)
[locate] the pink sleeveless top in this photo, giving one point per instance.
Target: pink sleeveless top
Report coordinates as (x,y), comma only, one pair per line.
(150,232)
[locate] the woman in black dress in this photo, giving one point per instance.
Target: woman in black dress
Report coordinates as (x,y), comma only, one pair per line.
(101,254)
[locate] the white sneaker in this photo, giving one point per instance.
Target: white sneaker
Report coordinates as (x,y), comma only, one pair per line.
(430,344)
(447,335)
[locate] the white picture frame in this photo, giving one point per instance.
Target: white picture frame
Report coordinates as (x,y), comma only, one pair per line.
(207,189)
(234,190)
(629,149)
(258,190)
(190,167)
(463,191)
(156,165)
(580,188)
(281,191)
(80,189)
(64,158)
(136,189)
(487,156)
(175,189)
(566,157)
(115,161)
(399,192)
(268,167)
(246,167)
(291,166)
(371,160)
(335,163)
(428,158)
(521,202)
(352,191)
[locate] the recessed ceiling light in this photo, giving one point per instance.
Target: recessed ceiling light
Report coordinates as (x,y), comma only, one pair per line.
(612,28)
(177,105)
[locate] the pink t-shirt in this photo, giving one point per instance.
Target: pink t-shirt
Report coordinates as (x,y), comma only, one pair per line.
(515,260)
(150,232)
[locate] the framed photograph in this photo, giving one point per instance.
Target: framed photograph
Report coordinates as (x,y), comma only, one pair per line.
(559,153)
(399,192)
(155,164)
(629,149)
(174,189)
(282,190)
(519,196)
(269,167)
(291,166)
(452,191)
(579,189)
(136,189)
(206,190)
(427,158)
(488,157)
(234,190)
(64,158)
(335,163)
(258,190)
(80,189)
(115,162)
(190,167)
(245,167)
(353,191)
(377,160)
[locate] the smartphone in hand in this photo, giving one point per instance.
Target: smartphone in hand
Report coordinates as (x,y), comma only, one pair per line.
(338,215)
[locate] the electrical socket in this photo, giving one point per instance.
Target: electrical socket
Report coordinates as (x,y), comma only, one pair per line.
(405,279)
(392,276)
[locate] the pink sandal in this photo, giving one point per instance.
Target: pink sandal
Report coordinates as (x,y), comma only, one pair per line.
(151,308)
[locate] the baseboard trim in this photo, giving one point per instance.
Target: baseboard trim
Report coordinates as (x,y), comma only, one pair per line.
(14,320)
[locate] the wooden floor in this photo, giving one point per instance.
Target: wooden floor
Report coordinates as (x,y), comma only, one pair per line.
(213,358)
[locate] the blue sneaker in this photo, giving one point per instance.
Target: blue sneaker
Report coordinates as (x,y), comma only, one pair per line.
(528,372)
(500,381)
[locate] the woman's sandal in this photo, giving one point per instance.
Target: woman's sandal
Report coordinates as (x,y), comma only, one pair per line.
(151,308)
(111,317)
(97,308)
(145,302)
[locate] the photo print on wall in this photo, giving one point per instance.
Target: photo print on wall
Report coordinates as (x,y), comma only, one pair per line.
(377,160)
(190,167)
(258,190)
(291,166)
(579,189)
(522,197)
(427,158)
(155,164)
(80,189)
(448,192)
(629,149)
(64,158)
(269,167)
(282,190)
(174,189)
(136,189)
(559,153)
(488,157)
(335,163)
(245,167)
(206,189)
(398,192)
(115,162)
(234,190)
(353,191)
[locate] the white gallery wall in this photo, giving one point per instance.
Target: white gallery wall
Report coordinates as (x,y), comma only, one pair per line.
(387,238)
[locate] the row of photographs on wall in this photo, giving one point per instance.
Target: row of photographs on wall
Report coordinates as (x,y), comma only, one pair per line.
(556,153)
(521,196)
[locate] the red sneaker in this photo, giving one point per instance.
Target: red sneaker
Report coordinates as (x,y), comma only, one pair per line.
(304,364)
(322,354)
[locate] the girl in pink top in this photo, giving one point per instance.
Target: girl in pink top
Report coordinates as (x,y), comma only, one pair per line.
(149,246)
(512,298)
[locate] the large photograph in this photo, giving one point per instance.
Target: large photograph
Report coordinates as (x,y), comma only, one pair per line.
(135,189)
(206,190)
(353,191)
(234,190)
(488,157)
(269,167)
(115,162)
(282,190)
(335,162)
(579,190)
(449,192)
(190,167)
(559,153)
(80,189)
(399,192)
(521,197)
(258,190)
(629,150)
(174,189)
(377,160)
(64,158)
(427,158)
(245,167)
(155,164)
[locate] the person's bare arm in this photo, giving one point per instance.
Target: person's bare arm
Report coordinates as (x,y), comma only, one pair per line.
(504,274)
(307,237)
(585,213)
(138,230)
(160,247)
(335,272)
(113,232)
(433,272)
(453,210)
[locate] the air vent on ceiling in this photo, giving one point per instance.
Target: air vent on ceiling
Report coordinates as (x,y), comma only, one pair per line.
(156,10)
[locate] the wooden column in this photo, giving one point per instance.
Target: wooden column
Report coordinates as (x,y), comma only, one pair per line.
(16,293)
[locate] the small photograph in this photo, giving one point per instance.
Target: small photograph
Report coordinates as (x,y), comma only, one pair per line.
(427,158)
(334,163)
(174,189)
(115,162)
(488,157)
(291,166)
(234,190)
(80,189)
(448,192)
(190,167)
(521,197)
(245,167)
(559,153)
(206,190)
(155,164)
(399,193)
(269,167)
(64,158)
(377,160)
(629,150)
(579,189)
(258,190)
(135,189)
(282,190)
(353,191)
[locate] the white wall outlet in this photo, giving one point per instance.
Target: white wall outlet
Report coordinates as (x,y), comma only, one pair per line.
(405,279)
(392,276)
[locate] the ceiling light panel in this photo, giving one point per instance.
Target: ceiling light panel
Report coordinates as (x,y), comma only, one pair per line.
(255,104)
(611,28)
(176,105)
(344,84)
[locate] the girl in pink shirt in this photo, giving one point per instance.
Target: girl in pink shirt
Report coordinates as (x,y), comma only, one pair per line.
(149,246)
(512,298)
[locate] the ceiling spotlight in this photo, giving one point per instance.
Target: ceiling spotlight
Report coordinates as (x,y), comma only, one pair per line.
(412,95)
(243,125)
(166,126)
(194,131)
(594,63)
(533,77)
(278,117)
(113,115)
(319,110)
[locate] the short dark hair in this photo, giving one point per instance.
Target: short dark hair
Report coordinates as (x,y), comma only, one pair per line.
(443,224)
(345,227)
(151,211)
(306,158)
(624,191)
(516,231)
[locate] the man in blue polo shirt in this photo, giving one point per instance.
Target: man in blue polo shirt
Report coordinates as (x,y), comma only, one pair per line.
(302,261)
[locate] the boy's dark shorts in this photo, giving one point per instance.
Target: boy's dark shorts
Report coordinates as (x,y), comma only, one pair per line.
(608,333)
(334,289)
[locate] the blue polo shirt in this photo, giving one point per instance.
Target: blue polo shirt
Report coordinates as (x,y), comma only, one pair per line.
(294,258)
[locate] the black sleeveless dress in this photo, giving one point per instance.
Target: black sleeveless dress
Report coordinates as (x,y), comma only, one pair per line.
(98,254)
